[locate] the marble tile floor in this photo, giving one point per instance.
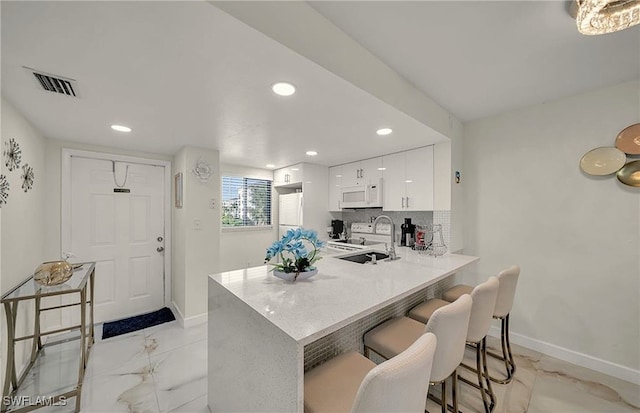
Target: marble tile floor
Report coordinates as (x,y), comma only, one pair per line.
(158,369)
(546,384)
(164,369)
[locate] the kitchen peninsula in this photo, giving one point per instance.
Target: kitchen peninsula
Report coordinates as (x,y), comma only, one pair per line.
(265,332)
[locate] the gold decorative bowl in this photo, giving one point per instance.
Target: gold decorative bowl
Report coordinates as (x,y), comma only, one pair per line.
(53,272)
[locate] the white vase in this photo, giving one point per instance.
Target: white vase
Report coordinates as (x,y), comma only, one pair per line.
(291,276)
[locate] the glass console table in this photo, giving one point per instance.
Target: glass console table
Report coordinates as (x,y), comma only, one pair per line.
(55,370)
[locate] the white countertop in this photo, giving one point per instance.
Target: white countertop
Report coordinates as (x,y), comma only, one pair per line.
(340,293)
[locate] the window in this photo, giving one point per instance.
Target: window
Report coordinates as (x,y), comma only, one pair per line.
(246,202)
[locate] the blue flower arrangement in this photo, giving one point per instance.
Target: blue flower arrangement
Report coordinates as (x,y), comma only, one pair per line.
(298,258)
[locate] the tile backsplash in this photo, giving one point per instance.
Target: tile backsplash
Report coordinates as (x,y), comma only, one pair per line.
(417,218)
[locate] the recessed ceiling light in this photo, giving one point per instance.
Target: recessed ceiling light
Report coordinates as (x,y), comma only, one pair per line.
(270,165)
(295,169)
(121,128)
(384,131)
(283,89)
(408,181)
(382,169)
(312,153)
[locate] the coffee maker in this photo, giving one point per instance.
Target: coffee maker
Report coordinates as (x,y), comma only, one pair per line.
(337,228)
(408,233)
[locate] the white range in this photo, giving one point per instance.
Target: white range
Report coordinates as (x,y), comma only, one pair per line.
(363,236)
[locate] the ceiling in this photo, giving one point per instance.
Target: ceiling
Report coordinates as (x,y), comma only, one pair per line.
(481,58)
(186,73)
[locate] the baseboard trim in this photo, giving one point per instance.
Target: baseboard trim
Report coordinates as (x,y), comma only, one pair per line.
(189,321)
(580,359)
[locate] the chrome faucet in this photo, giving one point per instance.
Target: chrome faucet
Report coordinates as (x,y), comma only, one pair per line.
(392,249)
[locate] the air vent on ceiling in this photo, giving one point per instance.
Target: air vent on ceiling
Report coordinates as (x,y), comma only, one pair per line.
(55,83)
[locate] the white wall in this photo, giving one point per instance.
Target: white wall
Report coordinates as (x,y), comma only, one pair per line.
(23,241)
(22,235)
(241,247)
(196,251)
(457,194)
(576,237)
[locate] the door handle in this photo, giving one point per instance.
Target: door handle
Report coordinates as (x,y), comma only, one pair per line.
(407,202)
(160,249)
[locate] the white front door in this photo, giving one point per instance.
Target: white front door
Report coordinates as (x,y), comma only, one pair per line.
(123,231)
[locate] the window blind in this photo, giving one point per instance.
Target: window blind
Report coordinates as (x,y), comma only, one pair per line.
(246,202)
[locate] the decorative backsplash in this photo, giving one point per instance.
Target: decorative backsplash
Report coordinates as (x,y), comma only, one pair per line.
(417,218)
(369,214)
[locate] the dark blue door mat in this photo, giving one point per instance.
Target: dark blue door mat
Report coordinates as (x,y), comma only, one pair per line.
(127,325)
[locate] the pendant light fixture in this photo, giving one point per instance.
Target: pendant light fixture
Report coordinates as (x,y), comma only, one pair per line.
(606,16)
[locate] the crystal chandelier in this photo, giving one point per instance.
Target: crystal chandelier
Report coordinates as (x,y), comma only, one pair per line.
(606,16)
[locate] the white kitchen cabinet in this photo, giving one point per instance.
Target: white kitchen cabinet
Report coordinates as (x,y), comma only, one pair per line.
(350,174)
(290,176)
(371,171)
(419,179)
(408,180)
(365,172)
(395,189)
(335,188)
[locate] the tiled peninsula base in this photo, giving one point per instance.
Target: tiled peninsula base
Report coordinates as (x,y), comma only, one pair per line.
(350,337)
(253,365)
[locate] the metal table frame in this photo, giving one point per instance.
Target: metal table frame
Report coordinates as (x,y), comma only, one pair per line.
(11,300)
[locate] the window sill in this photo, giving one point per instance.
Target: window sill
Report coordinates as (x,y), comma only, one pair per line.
(243,229)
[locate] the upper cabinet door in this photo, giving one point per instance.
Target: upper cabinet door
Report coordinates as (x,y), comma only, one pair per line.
(291,176)
(351,174)
(371,171)
(335,188)
(419,179)
(295,174)
(394,187)
(280,177)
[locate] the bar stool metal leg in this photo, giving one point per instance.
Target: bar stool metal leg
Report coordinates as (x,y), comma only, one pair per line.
(454,394)
(487,378)
(482,373)
(507,355)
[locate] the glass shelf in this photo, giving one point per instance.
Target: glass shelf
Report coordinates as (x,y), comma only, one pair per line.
(29,288)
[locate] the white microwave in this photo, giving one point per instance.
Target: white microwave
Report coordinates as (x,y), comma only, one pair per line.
(363,196)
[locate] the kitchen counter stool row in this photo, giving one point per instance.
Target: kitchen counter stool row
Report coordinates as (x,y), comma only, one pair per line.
(426,347)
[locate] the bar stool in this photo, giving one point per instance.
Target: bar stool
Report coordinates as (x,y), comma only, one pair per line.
(508,280)
(352,383)
(484,302)
(448,323)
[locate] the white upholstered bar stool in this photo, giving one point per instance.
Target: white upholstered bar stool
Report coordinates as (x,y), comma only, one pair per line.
(484,302)
(508,280)
(448,323)
(352,383)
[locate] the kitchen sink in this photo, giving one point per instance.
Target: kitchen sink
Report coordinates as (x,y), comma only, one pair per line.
(355,241)
(365,257)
